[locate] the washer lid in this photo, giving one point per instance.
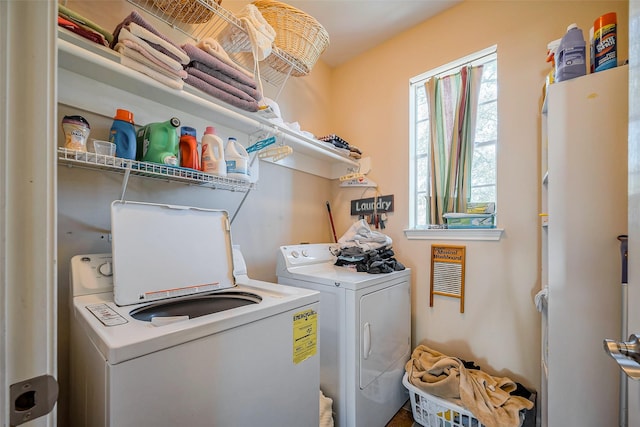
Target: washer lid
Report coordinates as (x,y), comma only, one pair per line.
(165,251)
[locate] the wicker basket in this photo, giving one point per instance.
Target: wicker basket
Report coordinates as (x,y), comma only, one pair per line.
(188,11)
(297,34)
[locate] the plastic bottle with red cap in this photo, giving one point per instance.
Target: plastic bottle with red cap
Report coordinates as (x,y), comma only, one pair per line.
(213,159)
(123,134)
(189,157)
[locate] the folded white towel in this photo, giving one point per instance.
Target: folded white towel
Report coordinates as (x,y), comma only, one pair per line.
(145,58)
(541,298)
(176,83)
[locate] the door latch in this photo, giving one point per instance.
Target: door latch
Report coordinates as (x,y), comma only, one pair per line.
(32,398)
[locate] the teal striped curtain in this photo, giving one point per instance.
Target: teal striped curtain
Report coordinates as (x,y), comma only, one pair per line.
(453,104)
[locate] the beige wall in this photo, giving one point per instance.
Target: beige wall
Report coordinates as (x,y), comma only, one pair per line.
(500,328)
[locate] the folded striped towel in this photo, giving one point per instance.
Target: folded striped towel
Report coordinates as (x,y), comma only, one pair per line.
(83,22)
(199,55)
(203,82)
(229,81)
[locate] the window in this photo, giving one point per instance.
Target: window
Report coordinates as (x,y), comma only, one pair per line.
(480,181)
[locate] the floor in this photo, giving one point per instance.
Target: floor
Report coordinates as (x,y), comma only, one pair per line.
(403,418)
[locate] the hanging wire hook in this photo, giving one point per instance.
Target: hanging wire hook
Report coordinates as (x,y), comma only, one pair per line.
(278,152)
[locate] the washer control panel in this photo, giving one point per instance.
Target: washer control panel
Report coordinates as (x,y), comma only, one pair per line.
(305,254)
(91,274)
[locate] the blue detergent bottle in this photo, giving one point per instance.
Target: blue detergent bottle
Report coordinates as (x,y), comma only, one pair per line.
(571,57)
(123,134)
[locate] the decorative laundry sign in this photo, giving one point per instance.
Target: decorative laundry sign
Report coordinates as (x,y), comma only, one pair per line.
(447,272)
(373,204)
(305,335)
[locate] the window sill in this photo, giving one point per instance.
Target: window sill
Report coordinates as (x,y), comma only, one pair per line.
(454,234)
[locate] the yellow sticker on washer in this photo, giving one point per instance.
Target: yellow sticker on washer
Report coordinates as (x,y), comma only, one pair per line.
(305,335)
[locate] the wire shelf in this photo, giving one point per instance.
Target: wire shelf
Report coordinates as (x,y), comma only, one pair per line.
(89,160)
(226,28)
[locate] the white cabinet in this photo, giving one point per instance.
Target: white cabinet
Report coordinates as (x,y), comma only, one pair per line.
(585,149)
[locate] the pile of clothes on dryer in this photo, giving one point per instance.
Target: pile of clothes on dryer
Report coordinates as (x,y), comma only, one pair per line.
(366,250)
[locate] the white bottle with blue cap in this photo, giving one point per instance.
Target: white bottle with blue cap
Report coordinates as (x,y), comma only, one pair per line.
(237,160)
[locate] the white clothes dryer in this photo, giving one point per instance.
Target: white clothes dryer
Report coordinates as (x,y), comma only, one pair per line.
(365,332)
(241,355)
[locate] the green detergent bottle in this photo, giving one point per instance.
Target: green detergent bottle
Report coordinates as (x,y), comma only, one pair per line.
(159,142)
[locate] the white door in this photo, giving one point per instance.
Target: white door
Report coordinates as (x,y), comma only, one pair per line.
(634,199)
(28,309)
(385,331)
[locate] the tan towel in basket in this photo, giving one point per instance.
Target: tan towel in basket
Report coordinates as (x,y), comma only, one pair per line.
(487,397)
(213,48)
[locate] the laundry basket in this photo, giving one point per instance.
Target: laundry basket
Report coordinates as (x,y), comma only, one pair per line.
(188,11)
(433,411)
(297,34)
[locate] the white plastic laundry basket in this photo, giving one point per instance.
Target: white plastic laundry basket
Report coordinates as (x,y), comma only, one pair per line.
(432,411)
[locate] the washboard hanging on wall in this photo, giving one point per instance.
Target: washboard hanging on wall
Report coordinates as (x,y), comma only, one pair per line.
(447,272)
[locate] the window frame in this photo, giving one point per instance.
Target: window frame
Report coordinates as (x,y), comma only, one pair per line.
(422,232)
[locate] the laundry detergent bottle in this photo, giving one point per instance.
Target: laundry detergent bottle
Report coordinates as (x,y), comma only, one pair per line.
(571,56)
(123,134)
(237,160)
(159,142)
(189,157)
(213,159)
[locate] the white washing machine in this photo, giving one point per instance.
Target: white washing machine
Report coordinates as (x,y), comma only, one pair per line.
(218,349)
(365,332)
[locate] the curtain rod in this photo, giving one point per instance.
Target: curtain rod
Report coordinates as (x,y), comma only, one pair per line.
(455,65)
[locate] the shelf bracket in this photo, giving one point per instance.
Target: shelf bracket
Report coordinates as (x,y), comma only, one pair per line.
(246,193)
(125,181)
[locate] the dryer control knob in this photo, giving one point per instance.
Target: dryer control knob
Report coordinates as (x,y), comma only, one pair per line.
(305,253)
(295,254)
(106,269)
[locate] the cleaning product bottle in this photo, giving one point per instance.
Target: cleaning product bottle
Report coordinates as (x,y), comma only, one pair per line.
(237,160)
(189,157)
(123,134)
(592,52)
(571,55)
(159,143)
(552,48)
(213,160)
(604,42)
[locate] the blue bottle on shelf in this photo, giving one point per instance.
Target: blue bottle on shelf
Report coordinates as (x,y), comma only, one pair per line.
(123,134)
